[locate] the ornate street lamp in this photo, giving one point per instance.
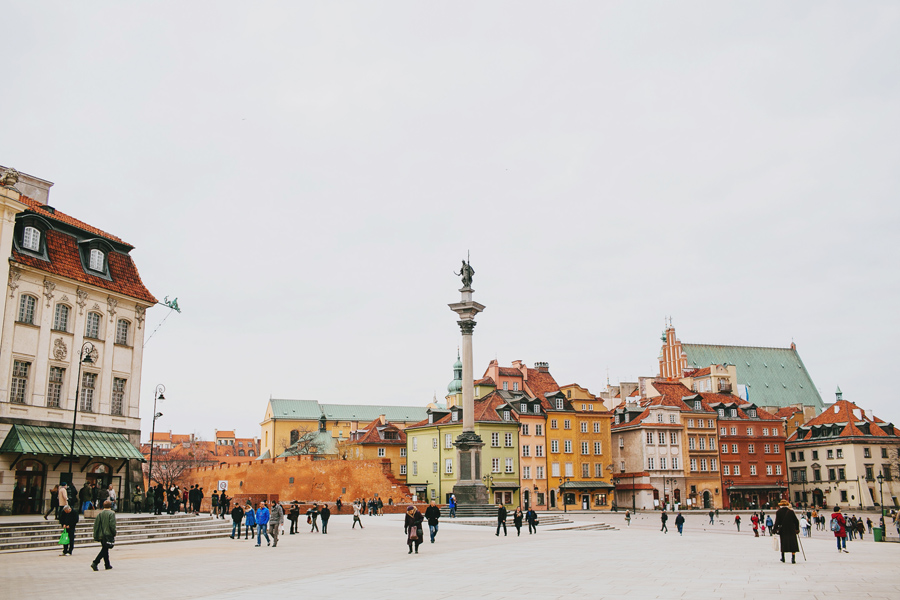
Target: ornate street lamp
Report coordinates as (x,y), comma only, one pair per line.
(562,492)
(85,356)
(880,479)
(157,395)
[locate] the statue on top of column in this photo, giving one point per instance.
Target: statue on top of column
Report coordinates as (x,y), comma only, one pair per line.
(466,272)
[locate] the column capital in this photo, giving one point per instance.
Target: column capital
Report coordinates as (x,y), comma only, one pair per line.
(467,327)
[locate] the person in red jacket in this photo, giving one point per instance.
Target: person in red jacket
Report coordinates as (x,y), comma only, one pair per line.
(839,526)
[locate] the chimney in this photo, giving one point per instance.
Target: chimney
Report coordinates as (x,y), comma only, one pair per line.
(542,367)
(31,186)
(382,418)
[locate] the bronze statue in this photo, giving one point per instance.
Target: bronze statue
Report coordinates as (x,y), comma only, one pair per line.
(466,272)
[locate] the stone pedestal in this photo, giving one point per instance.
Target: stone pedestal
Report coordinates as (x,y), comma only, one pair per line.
(469,488)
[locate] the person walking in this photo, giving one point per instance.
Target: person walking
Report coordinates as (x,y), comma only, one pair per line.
(664,517)
(84,496)
(54,503)
(356,510)
(237,517)
(276,519)
(137,501)
(737,521)
(679,523)
(214,504)
(339,504)
(711,522)
(249,521)
(869,523)
(517,520)
(113,497)
(531,517)
(628,518)
(754,521)
(452,506)
(262,523)
(312,516)
(325,514)
(224,503)
(860,528)
(294,516)
(380,507)
(68,518)
(769,525)
(839,527)
(804,526)
(105,533)
(501,519)
(412,527)
(433,513)
(787,527)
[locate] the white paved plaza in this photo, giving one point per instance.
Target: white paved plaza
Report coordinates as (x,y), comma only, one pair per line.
(470,562)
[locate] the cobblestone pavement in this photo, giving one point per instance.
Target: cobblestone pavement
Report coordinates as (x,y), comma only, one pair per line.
(471,562)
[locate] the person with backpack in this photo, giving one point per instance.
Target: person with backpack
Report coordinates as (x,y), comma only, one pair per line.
(214,504)
(839,527)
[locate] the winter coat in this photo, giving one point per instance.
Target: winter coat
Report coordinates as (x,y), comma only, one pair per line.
(414,520)
(517,518)
(237,514)
(531,516)
(679,520)
(277,515)
(325,513)
(501,514)
(251,518)
(432,513)
(262,516)
(69,520)
(840,519)
(787,527)
(105,526)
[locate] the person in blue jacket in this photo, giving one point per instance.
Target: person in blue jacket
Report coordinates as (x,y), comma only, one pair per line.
(262,520)
(250,521)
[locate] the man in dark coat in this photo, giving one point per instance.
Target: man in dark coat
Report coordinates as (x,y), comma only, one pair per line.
(501,518)
(787,526)
(433,513)
(68,518)
(325,513)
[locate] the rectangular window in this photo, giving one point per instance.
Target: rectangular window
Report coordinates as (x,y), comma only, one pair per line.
(662,437)
(702,442)
(381,452)
(842,475)
(434,467)
(539,450)
(403,469)
(585,448)
(448,466)
(734,449)
(118,396)
(553,424)
(650,464)
(434,443)
(526,472)
(691,443)
(709,423)
(662,462)
(768,469)
(54,386)
(723,431)
(509,465)
(713,464)
(840,453)
(508,440)
(559,404)
(672,419)
(507,416)
(777,449)
(702,464)
(92,325)
(554,446)
(26,309)
(843,495)
(830,454)
(765,431)
(734,431)
(415,446)
(793,457)
(767,448)
(570,470)
(650,437)
(737,469)
(884,453)
(19,382)
(596,426)
(817,474)
(415,467)
(539,472)
(88,381)
(778,469)
(525,429)
(526,450)
(402,452)
(539,429)
(831,475)
(724,448)
(815,455)
(515,386)
(567,424)
(568,446)
(523,408)
(585,470)
(691,423)
(598,448)
(674,462)
(61,318)
(749,431)
(726,470)
(584,427)
(753,469)
(505,385)
(495,465)
(800,456)
(495,439)
(454,416)
(598,470)
(751,448)
(673,438)
(693,464)
(621,442)
(537,409)
(554,470)
(448,440)
(122,332)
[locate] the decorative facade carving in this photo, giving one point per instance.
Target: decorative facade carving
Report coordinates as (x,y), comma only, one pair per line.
(49,286)
(9,178)
(95,355)
(82,300)
(111,304)
(139,313)
(60,350)
(14,275)
(467,327)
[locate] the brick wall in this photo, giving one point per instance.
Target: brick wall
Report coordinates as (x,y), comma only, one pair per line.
(313,480)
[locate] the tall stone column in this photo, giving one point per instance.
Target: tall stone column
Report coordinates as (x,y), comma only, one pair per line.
(469,488)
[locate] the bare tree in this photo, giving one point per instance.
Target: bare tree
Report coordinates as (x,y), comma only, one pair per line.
(303,441)
(170,467)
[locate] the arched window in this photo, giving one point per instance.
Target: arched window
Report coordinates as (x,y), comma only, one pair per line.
(240,453)
(61,318)
(295,435)
(92,326)
(122,327)
(27,305)
(251,453)
(96,262)
(31,239)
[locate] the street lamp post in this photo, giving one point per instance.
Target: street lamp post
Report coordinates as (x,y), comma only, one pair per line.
(728,483)
(562,492)
(84,357)
(157,395)
(859,490)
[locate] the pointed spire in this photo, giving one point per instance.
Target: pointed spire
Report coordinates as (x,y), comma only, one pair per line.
(838,394)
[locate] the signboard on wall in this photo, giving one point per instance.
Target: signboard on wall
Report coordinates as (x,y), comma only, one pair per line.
(223,485)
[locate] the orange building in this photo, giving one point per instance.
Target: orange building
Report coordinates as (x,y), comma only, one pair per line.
(379,440)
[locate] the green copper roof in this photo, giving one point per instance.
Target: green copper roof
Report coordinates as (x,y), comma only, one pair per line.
(30,439)
(773,376)
(313,410)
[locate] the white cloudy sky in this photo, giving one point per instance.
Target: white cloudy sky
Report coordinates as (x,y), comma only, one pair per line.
(305,176)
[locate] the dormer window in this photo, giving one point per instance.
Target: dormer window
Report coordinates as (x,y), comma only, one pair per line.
(753,412)
(733,412)
(537,409)
(506,416)
(523,408)
(721,412)
(559,404)
(31,239)
(697,405)
(96,260)
(430,418)
(454,416)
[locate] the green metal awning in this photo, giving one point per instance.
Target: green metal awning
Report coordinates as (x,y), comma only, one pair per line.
(504,485)
(52,441)
(586,485)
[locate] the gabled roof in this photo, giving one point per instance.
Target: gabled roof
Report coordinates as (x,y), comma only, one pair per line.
(374,434)
(486,381)
(843,419)
(539,384)
(55,215)
(774,376)
(510,372)
(787,412)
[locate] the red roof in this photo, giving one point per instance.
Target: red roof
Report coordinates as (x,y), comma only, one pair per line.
(540,383)
(224,434)
(486,381)
(510,372)
(844,411)
(65,261)
(700,372)
(62,217)
(787,412)
(373,435)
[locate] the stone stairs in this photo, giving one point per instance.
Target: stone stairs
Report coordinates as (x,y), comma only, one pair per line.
(130,529)
(589,527)
(544,520)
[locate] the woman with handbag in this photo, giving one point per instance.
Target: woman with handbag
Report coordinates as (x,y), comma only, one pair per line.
(412,526)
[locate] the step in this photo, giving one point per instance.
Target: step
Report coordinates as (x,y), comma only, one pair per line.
(87,533)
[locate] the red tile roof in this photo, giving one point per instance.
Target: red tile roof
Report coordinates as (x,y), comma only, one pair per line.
(510,372)
(787,412)
(65,261)
(62,217)
(372,435)
(224,434)
(700,372)
(486,381)
(843,411)
(538,384)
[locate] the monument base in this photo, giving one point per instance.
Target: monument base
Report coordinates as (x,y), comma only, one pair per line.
(470,493)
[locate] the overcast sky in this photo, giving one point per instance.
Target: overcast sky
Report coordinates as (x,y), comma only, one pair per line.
(305,178)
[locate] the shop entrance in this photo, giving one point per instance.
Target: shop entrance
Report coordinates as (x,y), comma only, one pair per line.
(28,495)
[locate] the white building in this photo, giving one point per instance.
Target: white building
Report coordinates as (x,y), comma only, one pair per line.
(71,287)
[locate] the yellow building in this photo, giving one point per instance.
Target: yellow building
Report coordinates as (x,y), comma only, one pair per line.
(379,440)
(286,421)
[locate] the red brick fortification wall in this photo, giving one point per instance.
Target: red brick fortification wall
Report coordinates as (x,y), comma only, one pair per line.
(314,480)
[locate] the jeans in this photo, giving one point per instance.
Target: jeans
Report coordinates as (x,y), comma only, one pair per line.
(324,525)
(499,525)
(680,528)
(103,554)
(275,529)
(86,506)
(432,530)
(261,531)
(841,540)
(532,528)
(452,511)
(236,525)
